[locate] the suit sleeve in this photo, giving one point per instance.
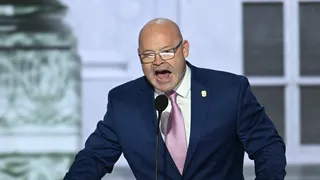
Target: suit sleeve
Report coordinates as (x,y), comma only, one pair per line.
(102,150)
(260,137)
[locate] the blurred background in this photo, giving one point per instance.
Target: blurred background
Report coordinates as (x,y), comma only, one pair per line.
(59,59)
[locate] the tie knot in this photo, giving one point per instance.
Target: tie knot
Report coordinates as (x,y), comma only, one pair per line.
(172,96)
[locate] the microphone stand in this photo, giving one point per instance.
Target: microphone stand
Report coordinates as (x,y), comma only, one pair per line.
(161,103)
(157,143)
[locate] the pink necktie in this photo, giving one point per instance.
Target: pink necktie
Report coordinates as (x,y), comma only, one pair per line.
(176,135)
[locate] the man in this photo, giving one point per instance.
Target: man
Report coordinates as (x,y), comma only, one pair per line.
(212,119)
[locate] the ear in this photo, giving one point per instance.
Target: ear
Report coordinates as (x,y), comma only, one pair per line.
(185,50)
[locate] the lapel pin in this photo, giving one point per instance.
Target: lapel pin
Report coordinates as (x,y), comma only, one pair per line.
(204,93)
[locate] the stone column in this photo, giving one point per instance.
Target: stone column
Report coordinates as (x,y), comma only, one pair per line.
(40,91)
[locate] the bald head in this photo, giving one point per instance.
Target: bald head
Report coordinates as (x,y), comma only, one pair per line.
(159,26)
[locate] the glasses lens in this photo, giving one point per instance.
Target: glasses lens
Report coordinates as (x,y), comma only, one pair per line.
(146,58)
(167,55)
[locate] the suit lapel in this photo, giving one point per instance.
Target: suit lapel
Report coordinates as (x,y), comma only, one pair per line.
(199,103)
(145,101)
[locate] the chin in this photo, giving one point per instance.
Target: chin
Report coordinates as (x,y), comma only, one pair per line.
(164,87)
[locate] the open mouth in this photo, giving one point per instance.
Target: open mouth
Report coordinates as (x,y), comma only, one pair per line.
(163,75)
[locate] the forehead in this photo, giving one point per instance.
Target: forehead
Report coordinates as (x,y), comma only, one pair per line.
(155,38)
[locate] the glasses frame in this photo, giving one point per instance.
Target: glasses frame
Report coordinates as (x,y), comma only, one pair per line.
(155,54)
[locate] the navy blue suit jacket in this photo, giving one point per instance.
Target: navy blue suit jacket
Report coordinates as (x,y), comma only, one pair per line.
(224,124)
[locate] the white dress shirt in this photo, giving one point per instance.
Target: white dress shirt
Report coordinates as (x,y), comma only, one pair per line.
(184,102)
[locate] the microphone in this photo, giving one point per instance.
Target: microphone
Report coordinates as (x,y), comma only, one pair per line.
(161,103)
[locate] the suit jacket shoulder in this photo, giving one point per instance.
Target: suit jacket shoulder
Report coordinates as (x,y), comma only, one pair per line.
(127,90)
(221,78)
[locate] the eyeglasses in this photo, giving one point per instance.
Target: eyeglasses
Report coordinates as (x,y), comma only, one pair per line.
(165,55)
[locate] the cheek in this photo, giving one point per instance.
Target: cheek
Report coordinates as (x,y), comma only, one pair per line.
(147,69)
(177,66)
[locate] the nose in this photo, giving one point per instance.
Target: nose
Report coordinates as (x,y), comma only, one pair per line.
(158,60)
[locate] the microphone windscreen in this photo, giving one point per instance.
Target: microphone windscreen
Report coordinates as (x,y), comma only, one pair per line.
(161,102)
